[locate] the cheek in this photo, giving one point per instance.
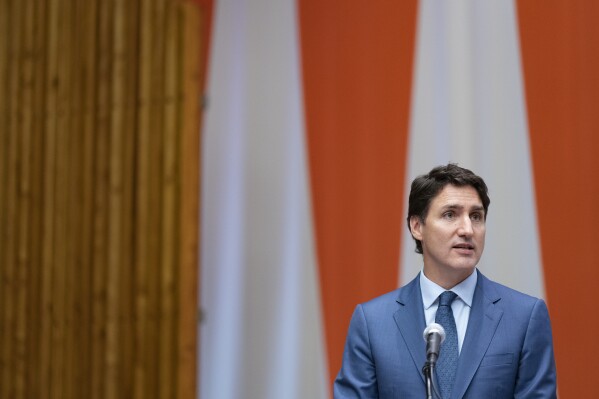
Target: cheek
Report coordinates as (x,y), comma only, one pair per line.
(481,239)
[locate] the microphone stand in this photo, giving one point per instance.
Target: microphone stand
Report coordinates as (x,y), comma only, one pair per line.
(428,371)
(434,335)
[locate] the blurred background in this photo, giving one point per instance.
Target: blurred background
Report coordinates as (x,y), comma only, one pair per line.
(194,195)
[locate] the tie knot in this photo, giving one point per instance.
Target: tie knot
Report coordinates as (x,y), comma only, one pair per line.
(446,298)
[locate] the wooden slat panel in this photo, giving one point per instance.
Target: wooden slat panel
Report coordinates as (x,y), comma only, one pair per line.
(99,196)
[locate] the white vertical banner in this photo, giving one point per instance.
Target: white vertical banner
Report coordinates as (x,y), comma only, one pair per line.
(468,107)
(261,336)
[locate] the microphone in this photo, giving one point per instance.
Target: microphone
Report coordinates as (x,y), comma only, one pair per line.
(434,335)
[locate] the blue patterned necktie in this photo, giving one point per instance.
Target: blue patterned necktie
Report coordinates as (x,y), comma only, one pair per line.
(448,355)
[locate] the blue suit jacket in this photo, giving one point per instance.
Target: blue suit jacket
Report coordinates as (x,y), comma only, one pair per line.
(507,351)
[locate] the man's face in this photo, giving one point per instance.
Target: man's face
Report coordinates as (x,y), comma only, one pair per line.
(452,235)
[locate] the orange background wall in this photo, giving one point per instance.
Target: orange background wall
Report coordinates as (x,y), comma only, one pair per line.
(357,61)
(357,70)
(560,52)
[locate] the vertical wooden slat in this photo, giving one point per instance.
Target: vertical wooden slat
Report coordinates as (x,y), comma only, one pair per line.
(142,225)
(169,211)
(73,204)
(8,256)
(156,154)
(86,266)
(69,161)
(24,197)
(101,212)
(5,29)
(115,203)
(80,199)
(35,245)
(61,263)
(189,166)
(128,127)
(47,366)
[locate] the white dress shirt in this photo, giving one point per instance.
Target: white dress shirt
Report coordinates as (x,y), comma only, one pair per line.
(461,305)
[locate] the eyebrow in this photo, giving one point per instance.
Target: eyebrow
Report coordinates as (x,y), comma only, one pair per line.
(476,208)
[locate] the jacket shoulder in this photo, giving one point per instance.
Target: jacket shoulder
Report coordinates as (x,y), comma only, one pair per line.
(391,299)
(495,291)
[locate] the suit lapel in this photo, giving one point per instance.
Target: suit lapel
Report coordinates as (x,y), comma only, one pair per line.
(484,318)
(410,321)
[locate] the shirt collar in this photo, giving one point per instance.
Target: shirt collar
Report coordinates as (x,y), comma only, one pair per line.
(431,291)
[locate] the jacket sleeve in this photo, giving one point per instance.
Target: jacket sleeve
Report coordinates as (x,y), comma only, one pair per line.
(357,377)
(536,371)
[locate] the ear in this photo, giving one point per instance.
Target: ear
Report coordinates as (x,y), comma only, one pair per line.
(416,227)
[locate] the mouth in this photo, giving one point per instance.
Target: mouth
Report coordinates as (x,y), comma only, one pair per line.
(465,248)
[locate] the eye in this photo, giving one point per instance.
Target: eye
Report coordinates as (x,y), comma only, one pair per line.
(477,217)
(449,215)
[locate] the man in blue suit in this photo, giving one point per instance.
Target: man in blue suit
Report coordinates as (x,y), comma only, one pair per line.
(502,338)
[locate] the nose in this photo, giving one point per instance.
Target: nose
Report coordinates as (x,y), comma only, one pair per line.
(465,227)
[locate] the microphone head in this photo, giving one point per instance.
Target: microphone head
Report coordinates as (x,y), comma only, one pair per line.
(434,328)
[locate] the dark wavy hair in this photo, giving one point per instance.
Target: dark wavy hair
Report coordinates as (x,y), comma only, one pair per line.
(426,187)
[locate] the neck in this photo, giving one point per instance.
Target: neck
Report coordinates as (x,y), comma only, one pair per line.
(447,280)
